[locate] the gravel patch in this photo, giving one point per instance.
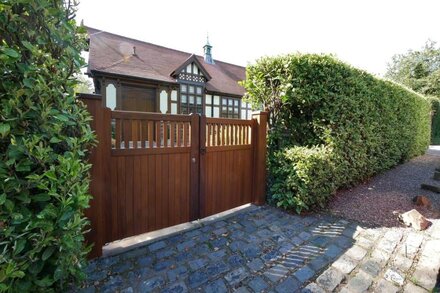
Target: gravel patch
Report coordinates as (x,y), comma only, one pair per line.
(376,201)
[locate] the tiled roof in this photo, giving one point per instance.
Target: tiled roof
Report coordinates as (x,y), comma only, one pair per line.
(113,54)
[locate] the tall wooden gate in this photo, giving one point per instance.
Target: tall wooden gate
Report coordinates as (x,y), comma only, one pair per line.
(151,171)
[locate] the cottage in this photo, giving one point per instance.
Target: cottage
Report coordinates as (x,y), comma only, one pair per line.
(133,75)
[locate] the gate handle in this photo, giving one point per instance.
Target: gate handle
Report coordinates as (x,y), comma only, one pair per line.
(202,150)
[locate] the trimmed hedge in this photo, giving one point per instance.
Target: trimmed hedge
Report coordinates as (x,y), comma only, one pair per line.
(435,126)
(332,125)
(45,135)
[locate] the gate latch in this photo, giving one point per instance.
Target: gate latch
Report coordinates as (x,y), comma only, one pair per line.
(202,150)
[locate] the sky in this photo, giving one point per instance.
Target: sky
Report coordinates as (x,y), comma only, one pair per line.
(365,34)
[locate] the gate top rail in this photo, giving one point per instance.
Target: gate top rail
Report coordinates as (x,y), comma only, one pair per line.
(118,114)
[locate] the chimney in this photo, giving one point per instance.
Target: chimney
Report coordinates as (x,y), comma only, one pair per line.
(207,50)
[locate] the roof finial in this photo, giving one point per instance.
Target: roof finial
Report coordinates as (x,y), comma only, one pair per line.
(207,50)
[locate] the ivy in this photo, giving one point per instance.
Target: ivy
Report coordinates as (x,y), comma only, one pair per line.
(44,140)
(332,125)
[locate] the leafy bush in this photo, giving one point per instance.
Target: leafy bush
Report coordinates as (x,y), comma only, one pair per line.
(44,137)
(331,125)
(435,126)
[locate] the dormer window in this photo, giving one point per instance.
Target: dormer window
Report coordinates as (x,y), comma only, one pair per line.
(192,73)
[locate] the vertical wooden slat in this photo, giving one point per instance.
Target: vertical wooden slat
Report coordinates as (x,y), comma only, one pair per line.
(118,133)
(144,132)
(172,133)
(186,134)
(179,134)
(158,133)
(150,134)
(127,133)
(134,133)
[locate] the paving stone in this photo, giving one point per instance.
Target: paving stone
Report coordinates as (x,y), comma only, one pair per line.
(402,263)
(179,287)
(330,279)
(360,283)
(197,278)
(216,268)
(186,245)
(304,235)
(425,277)
(218,286)
(145,261)
(175,274)
(312,288)
(197,263)
(236,276)
(258,284)
(112,284)
(304,274)
(193,233)
(380,256)
(272,255)
(290,284)
(242,290)
(164,253)
(96,276)
(157,245)
(255,265)
(235,260)
(321,241)
(394,276)
(161,265)
(411,288)
(217,255)
(238,245)
(151,284)
(276,272)
(332,251)
(371,267)
(385,286)
(318,263)
(345,264)
(356,252)
(220,231)
(364,242)
(344,242)
(127,290)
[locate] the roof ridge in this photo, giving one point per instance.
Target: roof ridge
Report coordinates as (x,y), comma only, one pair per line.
(137,40)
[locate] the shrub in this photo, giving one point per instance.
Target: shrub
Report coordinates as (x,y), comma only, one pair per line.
(435,126)
(44,137)
(331,125)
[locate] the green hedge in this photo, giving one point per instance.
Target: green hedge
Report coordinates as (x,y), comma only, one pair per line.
(44,140)
(332,125)
(435,126)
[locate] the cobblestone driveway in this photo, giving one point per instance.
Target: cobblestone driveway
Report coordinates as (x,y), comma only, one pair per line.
(267,250)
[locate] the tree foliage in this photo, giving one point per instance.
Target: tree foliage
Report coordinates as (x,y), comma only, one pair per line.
(333,127)
(418,69)
(44,138)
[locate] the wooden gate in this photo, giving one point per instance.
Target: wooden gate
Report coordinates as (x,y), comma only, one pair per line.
(151,171)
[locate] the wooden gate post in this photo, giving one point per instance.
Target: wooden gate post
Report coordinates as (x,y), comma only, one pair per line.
(259,142)
(194,209)
(100,174)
